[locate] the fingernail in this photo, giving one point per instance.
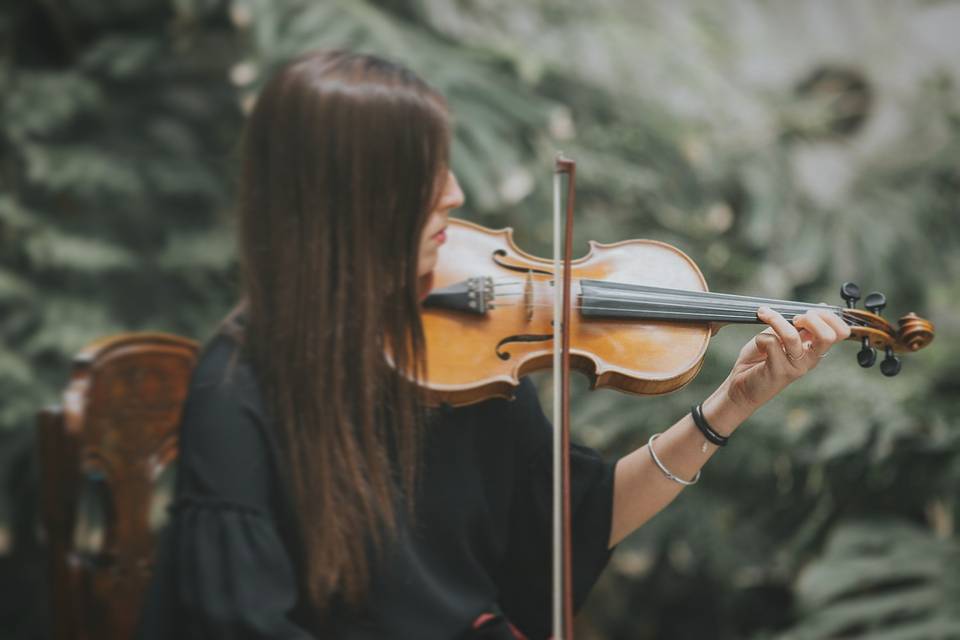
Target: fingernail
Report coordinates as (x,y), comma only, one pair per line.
(762,311)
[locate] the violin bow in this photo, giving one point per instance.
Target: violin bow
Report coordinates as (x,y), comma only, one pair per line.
(562,244)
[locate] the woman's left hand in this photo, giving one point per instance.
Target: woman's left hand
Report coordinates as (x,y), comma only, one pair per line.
(781,354)
(762,370)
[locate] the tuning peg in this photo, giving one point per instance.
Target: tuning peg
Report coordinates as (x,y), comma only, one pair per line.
(850,292)
(867,355)
(890,365)
(875,302)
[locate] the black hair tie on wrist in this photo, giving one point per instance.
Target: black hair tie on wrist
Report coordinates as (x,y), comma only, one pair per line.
(708,432)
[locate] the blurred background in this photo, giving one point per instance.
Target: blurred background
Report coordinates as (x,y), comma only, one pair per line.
(785,146)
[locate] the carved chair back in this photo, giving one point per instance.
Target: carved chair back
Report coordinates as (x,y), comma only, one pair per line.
(107,478)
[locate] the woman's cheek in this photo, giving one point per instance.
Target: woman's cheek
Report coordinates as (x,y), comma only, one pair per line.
(427,260)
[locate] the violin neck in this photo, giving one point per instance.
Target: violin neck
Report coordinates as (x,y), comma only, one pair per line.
(614,300)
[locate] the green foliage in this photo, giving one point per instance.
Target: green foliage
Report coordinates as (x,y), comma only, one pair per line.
(494,113)
(116,125)
(880,579)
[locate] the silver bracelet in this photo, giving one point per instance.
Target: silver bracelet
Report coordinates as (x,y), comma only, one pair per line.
(666,472)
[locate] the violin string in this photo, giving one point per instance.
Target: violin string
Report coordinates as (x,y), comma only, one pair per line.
(660,299)
(645,312)
(712,300)
(596,304)
(698,302)
(693,302)
(690,312)
(632,292)
(660,314)
(712,313)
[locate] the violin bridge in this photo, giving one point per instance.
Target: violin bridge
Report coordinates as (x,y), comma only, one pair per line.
(528,295)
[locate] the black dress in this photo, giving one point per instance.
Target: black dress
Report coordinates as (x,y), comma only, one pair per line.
(228,565)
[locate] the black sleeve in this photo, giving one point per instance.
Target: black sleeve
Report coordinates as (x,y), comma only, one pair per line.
(527,579)
(223,570)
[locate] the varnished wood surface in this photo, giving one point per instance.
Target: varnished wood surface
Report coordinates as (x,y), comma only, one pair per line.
(105,449)
(636,356)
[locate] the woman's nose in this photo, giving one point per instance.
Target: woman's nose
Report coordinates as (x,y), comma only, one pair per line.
(452,197)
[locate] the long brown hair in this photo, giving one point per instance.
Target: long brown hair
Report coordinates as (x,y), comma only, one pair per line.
(340,164)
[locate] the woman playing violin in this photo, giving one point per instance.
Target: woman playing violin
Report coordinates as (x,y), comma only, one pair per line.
(317,495)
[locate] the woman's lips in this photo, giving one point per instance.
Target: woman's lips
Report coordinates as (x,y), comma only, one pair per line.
(440,236)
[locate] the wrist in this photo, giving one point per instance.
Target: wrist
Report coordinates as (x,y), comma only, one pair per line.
(723,413)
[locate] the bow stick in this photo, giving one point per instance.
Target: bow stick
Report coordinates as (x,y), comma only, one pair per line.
(562,572)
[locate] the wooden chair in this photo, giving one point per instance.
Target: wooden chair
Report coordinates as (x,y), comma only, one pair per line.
(106,478)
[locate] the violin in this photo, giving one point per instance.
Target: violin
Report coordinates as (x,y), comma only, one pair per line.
(642,317)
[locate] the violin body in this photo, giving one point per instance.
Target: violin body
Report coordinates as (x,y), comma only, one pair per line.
(641,318)
(465,365)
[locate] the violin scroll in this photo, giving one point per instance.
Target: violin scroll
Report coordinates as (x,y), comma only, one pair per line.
(915,332)
(912,332)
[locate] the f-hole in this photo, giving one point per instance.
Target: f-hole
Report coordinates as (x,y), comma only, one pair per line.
(500,253)
(529,337)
